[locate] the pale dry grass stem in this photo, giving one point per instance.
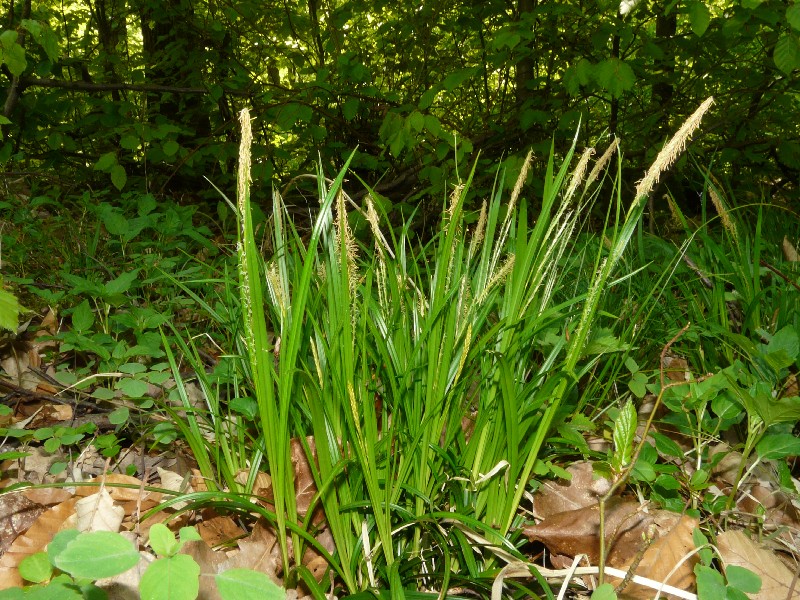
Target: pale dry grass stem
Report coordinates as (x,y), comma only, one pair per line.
(670,152)
(720,206)
(602,161)
(523,175)
(578,173)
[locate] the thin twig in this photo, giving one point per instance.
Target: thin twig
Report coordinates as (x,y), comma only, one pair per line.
(626,473)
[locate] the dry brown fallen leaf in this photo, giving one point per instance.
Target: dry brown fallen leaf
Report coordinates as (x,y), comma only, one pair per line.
(98,512)
(736,548)
(34,540)
(584,489)
(673,543)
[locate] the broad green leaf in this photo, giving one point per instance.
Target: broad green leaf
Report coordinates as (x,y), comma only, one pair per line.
(638,384)
(787,52)
(9,310)
(97,555)
(743,579)
(292,114)
(174,578)
(699,18)
(106,161)
(506,39)
(416,120)
(615,76)
(44,36)
(245,584)
(456,78)
(189,534)
(36,29)
(82,317)
(162,540)
(59,543)
(36,568)
(427,98)
(433,125)
(118,176)
(130,141)
(119,415)
(793,15)
(8,38)
(783,348)
(751,3)
(604,592)
(710,583)
(14,57)
(121,284)
(350,108)
(779,445)
(170,147)
(666,446)
(133,388)
(14,593)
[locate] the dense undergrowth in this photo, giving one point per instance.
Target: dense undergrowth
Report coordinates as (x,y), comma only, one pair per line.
(428,386)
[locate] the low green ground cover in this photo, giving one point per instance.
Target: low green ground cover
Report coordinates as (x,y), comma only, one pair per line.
(431,384)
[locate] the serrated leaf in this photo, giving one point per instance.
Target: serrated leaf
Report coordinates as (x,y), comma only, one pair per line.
(82,317)
(14,57)
(433,125)
(624,433)
(174,578)
(9,311)
(779,445)
(793,15)
(416,120)
(97,555)
(350,108)
(615,76)
(245,584)
(699,18)
(787,53)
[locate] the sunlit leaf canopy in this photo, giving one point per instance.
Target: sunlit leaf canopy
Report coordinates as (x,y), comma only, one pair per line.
(144,93)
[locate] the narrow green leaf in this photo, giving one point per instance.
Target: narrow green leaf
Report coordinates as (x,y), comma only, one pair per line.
(624,433)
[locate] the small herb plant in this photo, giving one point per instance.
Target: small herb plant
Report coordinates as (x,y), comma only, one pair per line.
(74,561)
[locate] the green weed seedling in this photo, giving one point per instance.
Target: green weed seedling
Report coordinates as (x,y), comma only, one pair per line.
(735,584)
(74,561)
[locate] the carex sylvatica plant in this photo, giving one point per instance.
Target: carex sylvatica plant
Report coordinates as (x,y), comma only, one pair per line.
(424,381)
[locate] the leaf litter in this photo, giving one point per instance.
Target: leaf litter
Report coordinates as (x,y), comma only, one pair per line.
(641,539)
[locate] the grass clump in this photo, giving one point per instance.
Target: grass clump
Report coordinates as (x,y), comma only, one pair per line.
(422,382)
